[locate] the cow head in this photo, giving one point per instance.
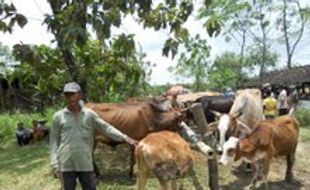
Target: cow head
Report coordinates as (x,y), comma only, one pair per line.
(169,119)
(228,125)
(229,150)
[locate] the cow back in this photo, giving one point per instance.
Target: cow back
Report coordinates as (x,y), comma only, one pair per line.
(220,104)
(136,119)
(248,103)
(166,154)
(281,135)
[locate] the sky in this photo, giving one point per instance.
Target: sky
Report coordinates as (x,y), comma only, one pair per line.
(151,42)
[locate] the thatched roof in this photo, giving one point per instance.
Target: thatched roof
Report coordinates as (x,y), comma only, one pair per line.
(285,77)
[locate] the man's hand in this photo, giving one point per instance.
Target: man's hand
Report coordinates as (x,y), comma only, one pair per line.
(131,141)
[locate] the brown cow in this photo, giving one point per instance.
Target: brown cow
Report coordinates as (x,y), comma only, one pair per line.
(135,119)
(270,138)
(164,154)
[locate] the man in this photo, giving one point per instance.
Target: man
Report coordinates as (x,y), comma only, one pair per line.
(71,140)
(270,106)
(283,102)
(293,99)
(23,135)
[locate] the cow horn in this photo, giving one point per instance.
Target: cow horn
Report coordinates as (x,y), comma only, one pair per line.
(237,114)
(217,114)
(244,127)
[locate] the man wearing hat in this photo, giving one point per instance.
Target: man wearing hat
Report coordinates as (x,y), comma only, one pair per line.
(71,140)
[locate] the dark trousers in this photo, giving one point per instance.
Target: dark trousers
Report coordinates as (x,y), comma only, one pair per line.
(22,140)
(283,111)
(86,179)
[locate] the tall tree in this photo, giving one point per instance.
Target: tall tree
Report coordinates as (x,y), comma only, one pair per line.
(69,20)
(248,23)
(292,25)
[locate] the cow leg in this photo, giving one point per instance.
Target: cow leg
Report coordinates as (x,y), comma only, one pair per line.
(142,178)
(266,171)
(195,180)
(255,166)
(132,161)
(290,159)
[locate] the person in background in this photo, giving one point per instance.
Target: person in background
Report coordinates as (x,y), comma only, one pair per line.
(39,130)
(293,99)
(266,90)
(23,135)
(71,140)
(270,106)
(283,102)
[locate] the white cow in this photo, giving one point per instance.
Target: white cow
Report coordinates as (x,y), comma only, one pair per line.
(247,110)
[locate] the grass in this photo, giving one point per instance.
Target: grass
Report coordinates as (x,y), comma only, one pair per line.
(304,135)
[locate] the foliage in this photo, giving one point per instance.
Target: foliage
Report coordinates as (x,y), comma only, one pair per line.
(226,72)
(9,17)
(113,72)
(70,21)
(257,24)
(260,56)
(193,61)
(302,116)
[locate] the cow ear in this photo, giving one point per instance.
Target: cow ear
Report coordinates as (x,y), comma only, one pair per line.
(213,126)
(217,114)
(243,127)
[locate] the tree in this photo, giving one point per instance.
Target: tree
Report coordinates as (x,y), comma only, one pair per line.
(260,57)
(226,72)
(292,25)
(193,61)
(9,17)
(232,16)
(241,22)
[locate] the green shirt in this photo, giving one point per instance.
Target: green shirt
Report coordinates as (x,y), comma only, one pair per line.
(71,140)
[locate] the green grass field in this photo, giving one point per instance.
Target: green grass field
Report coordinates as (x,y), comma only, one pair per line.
(27,168)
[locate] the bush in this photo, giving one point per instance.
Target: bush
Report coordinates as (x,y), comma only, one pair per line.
(303,116)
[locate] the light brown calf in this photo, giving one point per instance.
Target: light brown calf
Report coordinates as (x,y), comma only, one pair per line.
(270,139)
(164,154)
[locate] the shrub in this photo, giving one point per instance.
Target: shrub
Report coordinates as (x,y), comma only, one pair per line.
(303,116)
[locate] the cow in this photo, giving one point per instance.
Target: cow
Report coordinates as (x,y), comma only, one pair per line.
(164,154)
(220,104)
(247,110)
(135,119)
(271,138)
